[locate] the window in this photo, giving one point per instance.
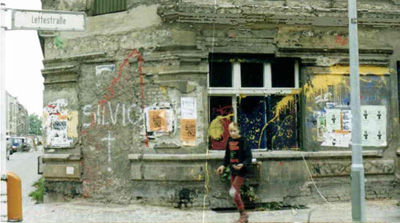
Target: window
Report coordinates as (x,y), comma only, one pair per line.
(108,6)
(257,92)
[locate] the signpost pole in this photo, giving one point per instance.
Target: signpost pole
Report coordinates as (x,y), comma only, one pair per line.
(357,167)
(3,192)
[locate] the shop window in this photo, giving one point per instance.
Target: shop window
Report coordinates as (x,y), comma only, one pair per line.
(258,96)
(108,6)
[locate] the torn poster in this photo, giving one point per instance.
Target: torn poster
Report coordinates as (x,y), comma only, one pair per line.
(55,123)
(336,139)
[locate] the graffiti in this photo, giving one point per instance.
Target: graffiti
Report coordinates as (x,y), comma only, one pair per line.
(341,40)
(341,168)
(328,95)
(218,131)
(111,89)
(131,114)
(323,98)
(108,139)
(286,103)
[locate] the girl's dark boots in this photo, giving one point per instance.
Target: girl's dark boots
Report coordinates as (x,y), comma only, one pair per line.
(244,217)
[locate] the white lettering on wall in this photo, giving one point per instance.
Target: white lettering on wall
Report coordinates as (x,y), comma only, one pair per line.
(111,114)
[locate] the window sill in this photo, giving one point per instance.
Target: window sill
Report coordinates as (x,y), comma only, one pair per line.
(259,155)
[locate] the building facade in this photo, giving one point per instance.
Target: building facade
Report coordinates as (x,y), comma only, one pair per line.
(137,106)
(17,118)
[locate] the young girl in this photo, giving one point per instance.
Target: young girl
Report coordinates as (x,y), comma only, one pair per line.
(238,157)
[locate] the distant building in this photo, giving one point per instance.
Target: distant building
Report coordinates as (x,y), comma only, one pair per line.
(17,120)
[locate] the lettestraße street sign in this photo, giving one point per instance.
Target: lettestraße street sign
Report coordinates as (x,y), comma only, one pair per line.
(48,20)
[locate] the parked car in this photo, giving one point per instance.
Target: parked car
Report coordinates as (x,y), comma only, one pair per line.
(18,144)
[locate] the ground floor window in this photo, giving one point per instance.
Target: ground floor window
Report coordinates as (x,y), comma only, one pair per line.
(257,92)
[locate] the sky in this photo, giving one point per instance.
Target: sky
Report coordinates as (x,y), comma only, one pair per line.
(23,78)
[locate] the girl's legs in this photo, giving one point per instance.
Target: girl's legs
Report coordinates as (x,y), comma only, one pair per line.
(236,183)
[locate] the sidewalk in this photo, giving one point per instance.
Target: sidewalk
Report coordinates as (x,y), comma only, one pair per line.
(83,211)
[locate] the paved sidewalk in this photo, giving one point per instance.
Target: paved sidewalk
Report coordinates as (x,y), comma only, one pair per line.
(84,211)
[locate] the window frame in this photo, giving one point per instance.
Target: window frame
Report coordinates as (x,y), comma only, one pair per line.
(236,90)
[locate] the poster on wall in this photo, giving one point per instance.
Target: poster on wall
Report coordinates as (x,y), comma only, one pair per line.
(321,125)
(333,120)
(60,125)
(337,139)
(338,127)
(188,121)
(159,119)
(188,131)
(373,125)
(188,108)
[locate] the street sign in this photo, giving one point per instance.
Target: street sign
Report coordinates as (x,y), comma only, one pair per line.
(48,20)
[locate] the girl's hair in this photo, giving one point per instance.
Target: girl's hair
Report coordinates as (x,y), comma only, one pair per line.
(234,125)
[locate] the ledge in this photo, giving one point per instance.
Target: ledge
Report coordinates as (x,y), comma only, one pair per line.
(60,157)
(218,155)
(79,58)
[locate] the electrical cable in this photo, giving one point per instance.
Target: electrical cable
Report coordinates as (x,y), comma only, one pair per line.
(319,192)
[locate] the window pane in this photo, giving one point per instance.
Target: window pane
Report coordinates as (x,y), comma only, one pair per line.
(252,74)
(252,117)
(108,6)
(221,114)
(283,73)
(282,131)
(220,74)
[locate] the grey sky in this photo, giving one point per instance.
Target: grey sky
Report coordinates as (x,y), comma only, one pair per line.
(24,61)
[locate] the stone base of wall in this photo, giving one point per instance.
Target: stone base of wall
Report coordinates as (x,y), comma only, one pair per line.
(59,191)
(339,189)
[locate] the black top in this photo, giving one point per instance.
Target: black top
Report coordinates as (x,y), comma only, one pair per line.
(237,152)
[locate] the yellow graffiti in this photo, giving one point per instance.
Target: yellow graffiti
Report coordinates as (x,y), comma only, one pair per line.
(320,84)
(337,80)
(362,70)
(286,103)
(240,97)
(216,128)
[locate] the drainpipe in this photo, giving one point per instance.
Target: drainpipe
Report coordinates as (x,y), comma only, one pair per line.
(357,167)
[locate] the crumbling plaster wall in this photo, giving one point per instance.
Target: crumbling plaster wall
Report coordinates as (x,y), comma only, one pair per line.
(112,140)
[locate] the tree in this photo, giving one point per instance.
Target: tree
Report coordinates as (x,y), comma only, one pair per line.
(35,124)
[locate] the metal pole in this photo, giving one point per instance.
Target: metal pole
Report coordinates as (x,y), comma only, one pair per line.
(3,192)
(357,167)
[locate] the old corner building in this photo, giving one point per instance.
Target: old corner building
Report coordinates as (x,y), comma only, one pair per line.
(137,106)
